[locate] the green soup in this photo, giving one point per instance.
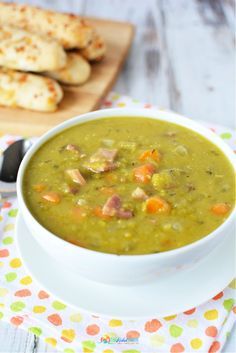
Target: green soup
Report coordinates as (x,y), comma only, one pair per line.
(129,186)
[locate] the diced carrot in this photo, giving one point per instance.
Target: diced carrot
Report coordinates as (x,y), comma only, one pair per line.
(79,213)
(157,205)
(39,187)
(98,213)
(220,209)
(107,191)
(51,197)
(111,177)
(143,173)
(150,154)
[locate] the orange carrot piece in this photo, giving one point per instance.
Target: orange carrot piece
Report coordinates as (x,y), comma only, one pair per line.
(51,197)
(157,205)
(150,154)
(107,190)
(39,187)
(98,213)
(79,213)
(220,209)
(143,173)
(111,177)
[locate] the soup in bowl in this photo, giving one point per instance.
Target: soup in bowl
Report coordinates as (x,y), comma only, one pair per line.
(126,195)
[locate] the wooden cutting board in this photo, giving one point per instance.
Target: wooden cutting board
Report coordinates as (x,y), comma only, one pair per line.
(80,99)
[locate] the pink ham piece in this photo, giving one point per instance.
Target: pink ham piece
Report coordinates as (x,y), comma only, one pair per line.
(112,205)
(113,208)
(102,161)
(124,214)
(71,147)
(103,154)
(75,149)
(76,176)
(99,167)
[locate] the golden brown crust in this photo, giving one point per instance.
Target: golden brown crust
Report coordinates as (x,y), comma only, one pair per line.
(22,50)
(29,91)
(76,72)
(96,49)
(68,29)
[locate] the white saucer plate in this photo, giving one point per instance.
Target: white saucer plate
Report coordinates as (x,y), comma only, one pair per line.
(167,296)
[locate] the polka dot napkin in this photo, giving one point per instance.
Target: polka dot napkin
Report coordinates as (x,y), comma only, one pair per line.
(23,303)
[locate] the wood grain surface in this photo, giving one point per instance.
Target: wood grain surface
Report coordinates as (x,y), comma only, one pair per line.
(182,57)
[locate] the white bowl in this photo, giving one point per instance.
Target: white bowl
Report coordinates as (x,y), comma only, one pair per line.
(124,269)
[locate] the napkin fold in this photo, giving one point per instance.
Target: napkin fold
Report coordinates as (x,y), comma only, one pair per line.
(24,304)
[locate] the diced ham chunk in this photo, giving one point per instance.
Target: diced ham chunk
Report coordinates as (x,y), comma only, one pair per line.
(104,154)
(139,194)
(76,176)
(68,189)
(124,214)
(113,208)
(112,205)
(102,161)
(99,167)
(72,147)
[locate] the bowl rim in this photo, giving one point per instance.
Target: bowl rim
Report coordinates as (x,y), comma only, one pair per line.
(150,113)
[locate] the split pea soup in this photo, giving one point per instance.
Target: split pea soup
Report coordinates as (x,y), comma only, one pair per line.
(129,186)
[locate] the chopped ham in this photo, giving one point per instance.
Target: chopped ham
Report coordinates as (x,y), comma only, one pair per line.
(104,154)
(112,205)
(72,147)
(71,190)
(113,208)
(76,176)
(102,161)
(124,214)
(99,167)
(139,194)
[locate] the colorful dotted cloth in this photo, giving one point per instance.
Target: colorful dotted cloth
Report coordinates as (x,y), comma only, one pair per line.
(24,304)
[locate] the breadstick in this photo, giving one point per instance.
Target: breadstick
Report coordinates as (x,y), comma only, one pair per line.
(69,30)
(21,50)
(76,72)
(29,91)
(96,49)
